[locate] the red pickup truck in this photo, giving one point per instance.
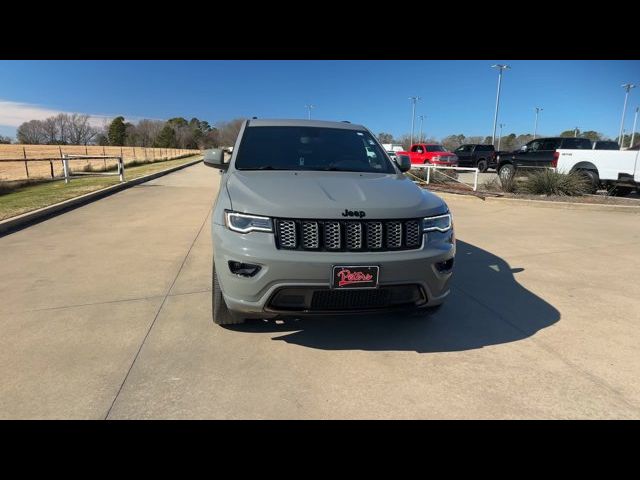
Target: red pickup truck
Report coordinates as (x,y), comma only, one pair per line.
(431,153)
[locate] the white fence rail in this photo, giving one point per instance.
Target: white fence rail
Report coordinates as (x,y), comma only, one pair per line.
(429,167)
(68,174)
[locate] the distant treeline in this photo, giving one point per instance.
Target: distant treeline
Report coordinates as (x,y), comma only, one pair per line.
(77,129)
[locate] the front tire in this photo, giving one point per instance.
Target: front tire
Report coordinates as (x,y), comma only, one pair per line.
(506,172)
(220,313)
(593,179)
(482,165)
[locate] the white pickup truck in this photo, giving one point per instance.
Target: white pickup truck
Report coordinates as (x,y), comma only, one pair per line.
(616,170)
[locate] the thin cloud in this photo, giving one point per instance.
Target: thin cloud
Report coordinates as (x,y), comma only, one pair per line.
(13,114)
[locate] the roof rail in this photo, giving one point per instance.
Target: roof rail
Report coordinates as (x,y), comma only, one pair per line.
(346,121)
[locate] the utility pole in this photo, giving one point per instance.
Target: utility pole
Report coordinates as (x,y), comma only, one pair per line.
(635,120)
(535,128)
(627,87)
(309,107)
(500,137)
(500,68)
(413,114)
(421,117)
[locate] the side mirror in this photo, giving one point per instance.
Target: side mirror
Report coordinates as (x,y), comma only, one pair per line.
(215,158)
(403,162)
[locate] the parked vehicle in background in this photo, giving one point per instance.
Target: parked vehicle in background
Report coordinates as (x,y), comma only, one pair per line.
(617,171)
(478,156)
(606,145)
(392,147)
(392,155)
(421,153)
(538,153)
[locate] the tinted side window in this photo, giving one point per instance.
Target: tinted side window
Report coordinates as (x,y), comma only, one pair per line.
(534,146)
(550,145)
(584,143)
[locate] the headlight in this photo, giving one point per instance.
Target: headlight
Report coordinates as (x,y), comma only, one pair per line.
(243,223)
(440,223)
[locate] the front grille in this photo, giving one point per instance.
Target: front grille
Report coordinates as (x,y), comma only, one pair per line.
(348,235)
(318,299)
(350,299)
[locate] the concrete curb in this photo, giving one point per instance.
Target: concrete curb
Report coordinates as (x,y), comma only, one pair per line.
(26,219)
(548,203)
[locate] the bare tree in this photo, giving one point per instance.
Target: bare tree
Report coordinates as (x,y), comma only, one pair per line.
(62,124)
(50,129)
(228,132)
(147,131)
(31,132)
(80,130)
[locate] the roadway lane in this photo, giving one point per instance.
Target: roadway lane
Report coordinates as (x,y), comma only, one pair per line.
(106,312)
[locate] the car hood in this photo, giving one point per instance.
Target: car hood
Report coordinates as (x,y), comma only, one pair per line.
(328,194)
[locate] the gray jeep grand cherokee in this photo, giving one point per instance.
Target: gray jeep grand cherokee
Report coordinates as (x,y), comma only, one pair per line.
(313,217)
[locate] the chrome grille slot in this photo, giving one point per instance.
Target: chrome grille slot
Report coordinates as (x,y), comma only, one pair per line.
(332,240)
(287,234)
(374,235)
(412,233)
(310,236)
(353,236)
(394,234)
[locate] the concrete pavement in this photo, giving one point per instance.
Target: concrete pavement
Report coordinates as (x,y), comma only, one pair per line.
(106,313)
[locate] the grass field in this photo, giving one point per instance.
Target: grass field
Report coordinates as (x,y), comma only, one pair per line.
(18,171)
(32,197)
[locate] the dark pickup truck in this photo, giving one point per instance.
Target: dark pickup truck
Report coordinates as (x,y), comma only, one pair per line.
(538,153)
(473,155)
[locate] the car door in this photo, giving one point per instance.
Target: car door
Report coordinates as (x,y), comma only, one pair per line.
(527,158)
(544,156)
(418,154)
(465,155)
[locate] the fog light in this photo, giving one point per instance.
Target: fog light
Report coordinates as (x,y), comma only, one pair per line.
(243,269)
(444,267)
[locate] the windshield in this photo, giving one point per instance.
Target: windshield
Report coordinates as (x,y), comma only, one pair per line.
(310,148)
(436,148)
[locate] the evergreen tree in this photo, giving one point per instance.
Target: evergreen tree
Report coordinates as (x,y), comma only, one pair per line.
(117,132)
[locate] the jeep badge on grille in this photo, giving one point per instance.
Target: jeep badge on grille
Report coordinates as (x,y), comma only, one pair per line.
(353,213)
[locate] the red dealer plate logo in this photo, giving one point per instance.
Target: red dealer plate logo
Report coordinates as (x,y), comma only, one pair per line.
(354,277)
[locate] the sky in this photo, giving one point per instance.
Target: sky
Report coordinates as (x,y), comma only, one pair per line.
(457,96)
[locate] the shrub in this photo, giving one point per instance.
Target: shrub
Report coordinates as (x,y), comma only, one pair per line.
(549,182)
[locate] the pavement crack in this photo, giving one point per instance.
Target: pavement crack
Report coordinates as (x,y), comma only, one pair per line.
(164,299)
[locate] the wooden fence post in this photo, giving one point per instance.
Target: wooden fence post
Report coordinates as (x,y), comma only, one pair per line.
(61,156)
(26,167)
(104,159)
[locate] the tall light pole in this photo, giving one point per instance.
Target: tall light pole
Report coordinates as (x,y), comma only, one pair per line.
(500,137)
(635,120)
(309,107)
(535,128)
(413,114)
(500,68)
(627,87)
(421,117)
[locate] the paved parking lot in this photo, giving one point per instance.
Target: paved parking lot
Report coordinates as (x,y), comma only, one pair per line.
(105,313)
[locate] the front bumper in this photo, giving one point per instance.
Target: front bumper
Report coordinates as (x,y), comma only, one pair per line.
(251,296)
